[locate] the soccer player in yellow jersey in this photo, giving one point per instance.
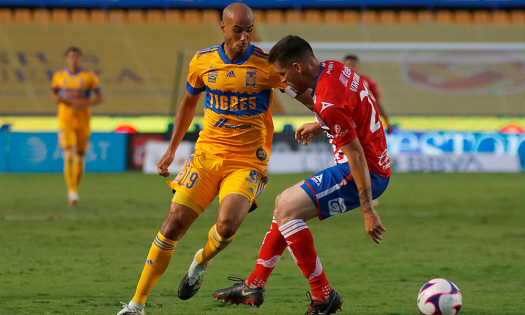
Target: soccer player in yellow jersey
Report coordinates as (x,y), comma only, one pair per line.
(71,89)
(231,154)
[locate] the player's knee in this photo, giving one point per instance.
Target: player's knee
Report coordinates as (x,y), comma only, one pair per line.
(277,199)
(227,228)
(176,224)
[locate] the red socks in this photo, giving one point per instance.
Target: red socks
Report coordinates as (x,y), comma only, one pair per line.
(301,245)
(272,248)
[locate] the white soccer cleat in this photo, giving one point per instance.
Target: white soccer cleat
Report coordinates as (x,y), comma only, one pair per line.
(130,310)
(193,279)
(72,198)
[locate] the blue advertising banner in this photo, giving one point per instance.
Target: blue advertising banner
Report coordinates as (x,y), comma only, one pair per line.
(457,143)
(4,138)
(256,4)
(40,153)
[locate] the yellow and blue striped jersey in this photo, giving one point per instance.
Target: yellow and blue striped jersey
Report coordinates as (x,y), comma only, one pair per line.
(76,87)
(237,117)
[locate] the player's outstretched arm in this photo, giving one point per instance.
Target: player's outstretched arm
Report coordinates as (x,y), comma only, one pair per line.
(182,123)
(357,161)
(307,132)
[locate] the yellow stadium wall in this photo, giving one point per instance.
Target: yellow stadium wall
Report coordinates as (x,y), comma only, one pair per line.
(136,64)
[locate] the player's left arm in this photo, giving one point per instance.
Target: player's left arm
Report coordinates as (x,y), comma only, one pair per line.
(357,162)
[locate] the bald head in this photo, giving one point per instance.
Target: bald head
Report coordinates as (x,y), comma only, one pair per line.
(237,27)
(237,12)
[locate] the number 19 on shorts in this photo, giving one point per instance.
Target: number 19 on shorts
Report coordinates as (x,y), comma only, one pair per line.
(188,179)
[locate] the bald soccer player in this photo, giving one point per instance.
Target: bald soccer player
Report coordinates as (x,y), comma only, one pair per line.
(231,154)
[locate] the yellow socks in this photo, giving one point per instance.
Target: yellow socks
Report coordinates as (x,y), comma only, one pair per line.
(78,169)
(215,244)
(158,260)
(69,171)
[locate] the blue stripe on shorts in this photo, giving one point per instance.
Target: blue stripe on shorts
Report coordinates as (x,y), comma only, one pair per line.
(334,191)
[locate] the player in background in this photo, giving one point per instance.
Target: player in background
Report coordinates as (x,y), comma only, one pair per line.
(352,62)
(346,110)
(231,154)
(71,89)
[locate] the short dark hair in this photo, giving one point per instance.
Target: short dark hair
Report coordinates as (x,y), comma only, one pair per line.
(75,49)
(353,57)
(290,49)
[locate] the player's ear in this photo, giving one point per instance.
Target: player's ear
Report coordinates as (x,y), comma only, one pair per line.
(222,27)
(297,67)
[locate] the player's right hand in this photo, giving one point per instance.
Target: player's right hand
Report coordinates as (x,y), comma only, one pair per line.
(163,164)
(306,133)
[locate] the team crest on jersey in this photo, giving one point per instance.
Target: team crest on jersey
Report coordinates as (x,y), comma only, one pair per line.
(212,75)
(261,154)
(251,77)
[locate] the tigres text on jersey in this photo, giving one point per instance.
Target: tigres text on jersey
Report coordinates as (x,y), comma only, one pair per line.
(237,116)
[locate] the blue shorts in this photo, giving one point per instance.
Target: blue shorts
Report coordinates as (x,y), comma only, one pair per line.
(334,191)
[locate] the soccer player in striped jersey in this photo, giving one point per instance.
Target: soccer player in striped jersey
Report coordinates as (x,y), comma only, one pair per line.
(71,89)
(231,154)
(346,110)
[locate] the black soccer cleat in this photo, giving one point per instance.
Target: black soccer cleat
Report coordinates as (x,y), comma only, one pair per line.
(191,283)
(332,305)
(240,293)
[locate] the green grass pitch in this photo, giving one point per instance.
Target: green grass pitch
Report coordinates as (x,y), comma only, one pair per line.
(58,259)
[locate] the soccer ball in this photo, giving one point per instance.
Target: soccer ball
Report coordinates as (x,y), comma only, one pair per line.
(439,297)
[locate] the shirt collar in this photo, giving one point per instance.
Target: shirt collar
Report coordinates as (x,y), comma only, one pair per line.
(317,78)
(239,61)
(78,71)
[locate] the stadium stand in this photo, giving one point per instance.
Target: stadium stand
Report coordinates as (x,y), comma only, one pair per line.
(99,17)
(60,16)
(80,16)
(136,17)
(23,16)
(137,74)
(174,17)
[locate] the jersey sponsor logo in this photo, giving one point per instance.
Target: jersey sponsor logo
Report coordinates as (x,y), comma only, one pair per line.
(261,154)
(212,75)
(317,179)
(384,160)
(325,105)
(355,82)
(251,77)
(222,123)
(330,67)
(336,206)
(337,129)
(231,74)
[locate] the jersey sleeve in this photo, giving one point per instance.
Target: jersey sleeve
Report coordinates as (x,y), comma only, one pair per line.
(195,84)
(95,83)
(338,120)
(55,83)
